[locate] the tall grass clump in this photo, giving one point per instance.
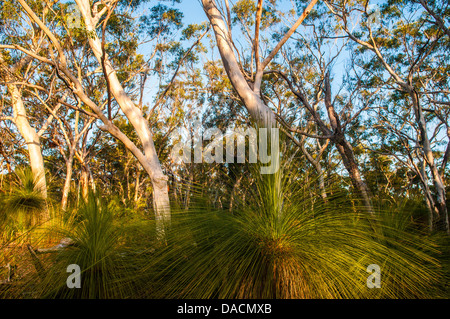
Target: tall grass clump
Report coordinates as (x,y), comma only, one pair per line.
(284,243)
(99,248)
(21,204)
(280,240)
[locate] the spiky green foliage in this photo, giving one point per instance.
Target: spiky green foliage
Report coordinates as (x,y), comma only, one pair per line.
(100,250)
(282,243)
(22,203)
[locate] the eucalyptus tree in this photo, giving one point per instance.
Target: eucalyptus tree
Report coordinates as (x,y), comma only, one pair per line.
(68,145)
(103,21)
(13,70)
(248,80)
(337,126)
(16,71)
(404,45)
(21,120)
(248,88)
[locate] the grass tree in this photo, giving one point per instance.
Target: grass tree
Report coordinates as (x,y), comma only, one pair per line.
(249,89)
(278,244)
(23,203)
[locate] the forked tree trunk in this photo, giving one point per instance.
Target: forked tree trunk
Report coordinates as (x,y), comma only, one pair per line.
(259,111)
(134,115)
(148,158)
(256,107)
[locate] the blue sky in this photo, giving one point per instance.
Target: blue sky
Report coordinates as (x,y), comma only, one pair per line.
(193,11)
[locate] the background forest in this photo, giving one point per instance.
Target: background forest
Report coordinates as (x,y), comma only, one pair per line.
(96,96)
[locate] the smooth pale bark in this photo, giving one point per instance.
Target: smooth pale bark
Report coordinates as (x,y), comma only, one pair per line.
(407,85)
(447,152)
(84,180)
(429,200)
(72,144)
(148,159)
(32,140)
(319,170)
(114,131)
(29,134)
(68,181)
(187,198)
(136,118)
(273,53)
(256,107)
(249,94)
(259,111)
(136,188)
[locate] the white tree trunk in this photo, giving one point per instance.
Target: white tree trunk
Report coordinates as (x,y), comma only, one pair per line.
(68,181)
(255,106)
(84,180)
(134,114)
(32,140)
